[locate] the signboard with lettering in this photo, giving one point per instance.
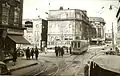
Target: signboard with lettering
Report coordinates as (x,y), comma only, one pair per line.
(15,31)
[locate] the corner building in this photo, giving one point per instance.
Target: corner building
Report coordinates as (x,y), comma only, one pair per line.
(65,25)
(11,29)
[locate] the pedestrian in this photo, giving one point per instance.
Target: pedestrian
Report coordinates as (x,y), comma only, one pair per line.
(62,51)
(14,56)
(59,51)
(67,49)
(45,50)
(27,53)
(70,49)
(117,50)
(32,52)
(56,51)
(36,53)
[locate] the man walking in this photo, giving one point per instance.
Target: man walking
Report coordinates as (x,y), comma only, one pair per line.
(28,53)
(14,56)
(32,52)
(62,51)
(36,53)
(56,51)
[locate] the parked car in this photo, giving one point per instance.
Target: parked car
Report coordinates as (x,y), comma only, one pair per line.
(3,69)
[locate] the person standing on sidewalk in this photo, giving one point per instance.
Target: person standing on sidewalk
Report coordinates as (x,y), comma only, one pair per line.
(14,56)
(62,51)
(32,52)
(59,50)
(27,53)
(36,53)
(56,51)
(70,49)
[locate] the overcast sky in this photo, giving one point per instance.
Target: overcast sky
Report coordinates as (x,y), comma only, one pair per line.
(34,8)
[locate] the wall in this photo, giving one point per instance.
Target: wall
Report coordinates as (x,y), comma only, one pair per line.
(61,14)
(59,30)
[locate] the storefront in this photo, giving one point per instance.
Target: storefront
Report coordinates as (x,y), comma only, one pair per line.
(11,37)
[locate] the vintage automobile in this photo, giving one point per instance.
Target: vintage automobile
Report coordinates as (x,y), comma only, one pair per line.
(3,69)
(104,65)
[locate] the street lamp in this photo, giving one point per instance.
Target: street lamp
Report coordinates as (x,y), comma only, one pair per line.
(110,8)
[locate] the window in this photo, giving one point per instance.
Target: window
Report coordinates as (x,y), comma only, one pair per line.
(16,16)
(5,13)
(75,45)
(78,44)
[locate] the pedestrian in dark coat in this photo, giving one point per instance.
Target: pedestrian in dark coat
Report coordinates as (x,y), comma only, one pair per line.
(28,53)
(59,51)
(32,52)
(70,50)
(14,56)
(56,51)
(62,51)
(36,53)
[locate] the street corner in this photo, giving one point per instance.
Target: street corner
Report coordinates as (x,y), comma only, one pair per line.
(22,64)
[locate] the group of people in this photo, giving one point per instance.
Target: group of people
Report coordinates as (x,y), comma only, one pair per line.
(59,51)
(31,52)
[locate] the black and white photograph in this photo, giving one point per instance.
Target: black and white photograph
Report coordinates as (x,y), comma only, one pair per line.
(60,37)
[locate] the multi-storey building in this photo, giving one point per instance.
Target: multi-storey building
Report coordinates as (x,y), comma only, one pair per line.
(35,32)
(65,25)
(11,30)
(98,28)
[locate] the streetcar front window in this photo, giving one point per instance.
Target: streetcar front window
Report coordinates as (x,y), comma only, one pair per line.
(75,45)
(78,44)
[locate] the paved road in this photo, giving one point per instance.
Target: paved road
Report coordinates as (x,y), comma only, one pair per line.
(51,65)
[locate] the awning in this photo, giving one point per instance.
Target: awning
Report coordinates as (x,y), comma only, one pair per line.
(18,39)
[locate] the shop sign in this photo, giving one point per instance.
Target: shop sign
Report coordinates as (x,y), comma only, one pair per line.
(15,31)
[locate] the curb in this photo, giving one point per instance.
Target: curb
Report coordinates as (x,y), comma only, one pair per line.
(23,67)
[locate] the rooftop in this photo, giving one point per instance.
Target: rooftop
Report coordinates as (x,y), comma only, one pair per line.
(96,19)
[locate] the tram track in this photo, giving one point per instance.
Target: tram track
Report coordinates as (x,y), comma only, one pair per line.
(62,69)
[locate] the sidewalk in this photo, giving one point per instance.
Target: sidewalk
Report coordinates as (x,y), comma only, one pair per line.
(21,63)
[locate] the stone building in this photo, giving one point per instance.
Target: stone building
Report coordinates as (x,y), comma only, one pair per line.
(99,30)
(35,32)
(65,25)
(11,29)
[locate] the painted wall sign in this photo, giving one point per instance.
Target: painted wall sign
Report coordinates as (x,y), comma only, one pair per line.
(15,31)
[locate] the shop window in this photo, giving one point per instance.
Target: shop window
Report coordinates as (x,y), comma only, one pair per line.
(5,13)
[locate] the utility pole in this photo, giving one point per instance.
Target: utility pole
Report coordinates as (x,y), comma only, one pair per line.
(112,37)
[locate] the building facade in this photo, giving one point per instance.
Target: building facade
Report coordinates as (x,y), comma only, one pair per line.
(65,25)
(118,28)
(11,30)
(35,32)
(99,29)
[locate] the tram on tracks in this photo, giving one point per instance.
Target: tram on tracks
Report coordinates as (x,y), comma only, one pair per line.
(79,46)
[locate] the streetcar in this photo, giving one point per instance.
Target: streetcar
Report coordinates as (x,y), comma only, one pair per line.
(79,46)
